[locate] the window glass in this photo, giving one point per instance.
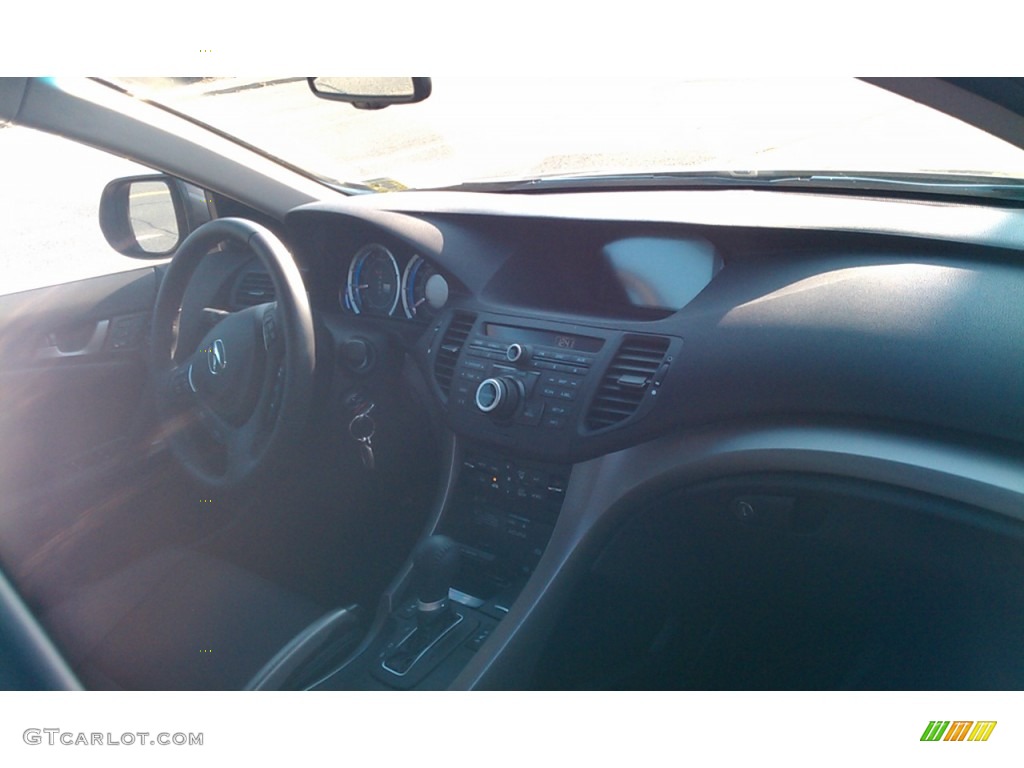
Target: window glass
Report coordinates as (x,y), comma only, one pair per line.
(49,195)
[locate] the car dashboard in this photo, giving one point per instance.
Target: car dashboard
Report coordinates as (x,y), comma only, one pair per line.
(621,331)
(587,359)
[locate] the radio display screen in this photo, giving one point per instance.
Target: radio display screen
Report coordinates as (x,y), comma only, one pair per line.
(566,341)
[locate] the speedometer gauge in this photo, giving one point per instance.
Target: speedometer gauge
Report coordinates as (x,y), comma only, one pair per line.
(416,298)
(374,283)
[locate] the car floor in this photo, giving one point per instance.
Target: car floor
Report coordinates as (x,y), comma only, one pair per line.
(145,585)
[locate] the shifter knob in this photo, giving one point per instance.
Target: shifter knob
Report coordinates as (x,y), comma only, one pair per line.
(434,565)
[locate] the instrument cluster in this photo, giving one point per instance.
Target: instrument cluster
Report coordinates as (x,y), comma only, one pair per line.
(381,284)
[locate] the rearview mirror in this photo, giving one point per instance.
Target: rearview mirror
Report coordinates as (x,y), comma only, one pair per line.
(371,92)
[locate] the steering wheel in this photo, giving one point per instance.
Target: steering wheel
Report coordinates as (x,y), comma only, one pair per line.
(236,403)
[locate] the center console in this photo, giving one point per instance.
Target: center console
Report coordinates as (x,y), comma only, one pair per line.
(525,402)
(499,517)
(502,513)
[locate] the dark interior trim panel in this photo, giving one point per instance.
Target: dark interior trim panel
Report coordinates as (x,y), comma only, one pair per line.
(934,220)
(32,662)
(604,490)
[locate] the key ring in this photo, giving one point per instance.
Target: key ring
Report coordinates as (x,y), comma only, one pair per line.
(362,428)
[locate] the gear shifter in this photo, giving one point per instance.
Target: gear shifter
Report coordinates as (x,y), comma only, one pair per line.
(435,563)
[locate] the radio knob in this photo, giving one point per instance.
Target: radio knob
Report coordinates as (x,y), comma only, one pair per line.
(517,353)
(499,396)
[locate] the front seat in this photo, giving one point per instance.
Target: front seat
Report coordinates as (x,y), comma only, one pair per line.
(177,620)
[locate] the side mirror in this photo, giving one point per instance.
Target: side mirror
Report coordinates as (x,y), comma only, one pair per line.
(147,217)
(371,92)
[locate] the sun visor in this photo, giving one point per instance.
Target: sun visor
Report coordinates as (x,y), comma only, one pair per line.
(993,104)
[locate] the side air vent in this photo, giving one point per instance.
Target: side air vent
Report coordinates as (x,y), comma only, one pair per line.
(627,380)
(451,344)
(254,288)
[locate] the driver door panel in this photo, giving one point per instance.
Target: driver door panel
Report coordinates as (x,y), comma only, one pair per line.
(72,381)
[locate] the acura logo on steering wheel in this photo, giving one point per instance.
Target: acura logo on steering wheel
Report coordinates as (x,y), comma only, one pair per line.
(216,358)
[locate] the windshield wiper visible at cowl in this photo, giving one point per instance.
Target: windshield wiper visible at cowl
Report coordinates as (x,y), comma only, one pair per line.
(905,183)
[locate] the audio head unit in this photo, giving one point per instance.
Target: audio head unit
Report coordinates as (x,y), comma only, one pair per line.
(548,390)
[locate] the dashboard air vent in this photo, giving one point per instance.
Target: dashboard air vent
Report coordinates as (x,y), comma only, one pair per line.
(254,288)
(451,344)
(627,380)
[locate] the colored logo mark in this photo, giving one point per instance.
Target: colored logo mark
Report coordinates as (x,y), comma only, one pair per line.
(958,730)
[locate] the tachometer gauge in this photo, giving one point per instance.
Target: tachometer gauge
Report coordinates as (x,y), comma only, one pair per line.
(418,300)
(374,283)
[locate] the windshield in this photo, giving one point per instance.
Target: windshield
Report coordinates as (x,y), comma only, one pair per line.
(473,130)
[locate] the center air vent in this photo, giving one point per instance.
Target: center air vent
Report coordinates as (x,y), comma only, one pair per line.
(627,380)
(451,344)
(254,288)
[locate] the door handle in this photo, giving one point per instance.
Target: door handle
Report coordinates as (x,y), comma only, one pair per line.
(52,350)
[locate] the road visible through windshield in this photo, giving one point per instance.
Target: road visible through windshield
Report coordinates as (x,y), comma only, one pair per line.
(473,129)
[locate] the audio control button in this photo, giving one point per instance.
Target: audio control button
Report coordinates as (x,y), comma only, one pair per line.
(498,396)
(517,353)
(532,412)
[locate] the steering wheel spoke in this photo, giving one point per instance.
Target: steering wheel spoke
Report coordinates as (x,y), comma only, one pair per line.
(271,407)
(215,427)
(180,384)
(273,343)
(243,447)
